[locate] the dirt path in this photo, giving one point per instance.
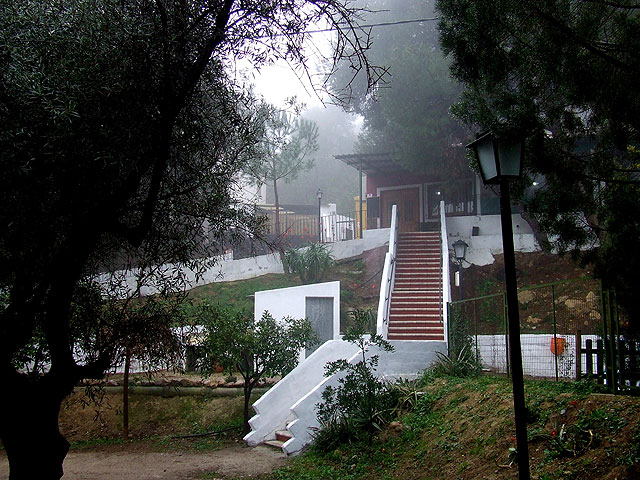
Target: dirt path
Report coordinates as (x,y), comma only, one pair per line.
(229,462)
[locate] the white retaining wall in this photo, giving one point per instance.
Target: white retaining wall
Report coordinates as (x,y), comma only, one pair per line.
(291,403)
(488,243)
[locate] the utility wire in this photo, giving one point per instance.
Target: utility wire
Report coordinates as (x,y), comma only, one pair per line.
(369,25)
(382,24)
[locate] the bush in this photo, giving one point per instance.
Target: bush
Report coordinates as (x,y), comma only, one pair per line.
(311,263)
(361,404)
(464,363)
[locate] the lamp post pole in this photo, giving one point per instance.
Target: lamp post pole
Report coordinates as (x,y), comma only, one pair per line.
(501,159)
(515,350)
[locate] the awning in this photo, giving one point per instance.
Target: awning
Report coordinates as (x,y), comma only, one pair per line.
(372,163)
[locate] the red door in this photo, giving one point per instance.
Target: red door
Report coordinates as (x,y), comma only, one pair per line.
(408,204)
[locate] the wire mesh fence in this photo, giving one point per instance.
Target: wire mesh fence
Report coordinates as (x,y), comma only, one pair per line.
(556,323)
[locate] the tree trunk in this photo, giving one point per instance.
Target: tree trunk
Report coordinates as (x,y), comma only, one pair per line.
(277,205)
(125,395)
(29,431)
(247,402)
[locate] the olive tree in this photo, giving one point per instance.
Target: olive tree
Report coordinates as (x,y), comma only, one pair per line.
(122,134)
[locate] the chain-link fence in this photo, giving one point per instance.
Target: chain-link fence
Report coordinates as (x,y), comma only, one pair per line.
(552,317)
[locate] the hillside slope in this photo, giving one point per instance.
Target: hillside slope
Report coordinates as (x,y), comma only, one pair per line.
(463,429)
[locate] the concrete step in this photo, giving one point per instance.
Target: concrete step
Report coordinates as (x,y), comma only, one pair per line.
(414,336)
(415,324)
(416,330)
(274,443)
(416,281)
(283,435)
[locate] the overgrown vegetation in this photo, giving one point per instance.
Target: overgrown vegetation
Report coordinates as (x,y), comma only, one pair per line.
(311,263)
(361,404)
(463,428)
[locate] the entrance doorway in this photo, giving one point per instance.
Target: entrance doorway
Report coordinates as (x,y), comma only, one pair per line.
(407,201)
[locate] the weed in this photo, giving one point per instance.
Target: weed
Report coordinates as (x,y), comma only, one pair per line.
(465,363)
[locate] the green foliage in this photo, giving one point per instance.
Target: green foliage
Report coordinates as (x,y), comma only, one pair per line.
(311,263)
(361,404)
(564,75)
(284,152)
(574,439)
(464,363)
(462,360)
(123,134)
(254,348)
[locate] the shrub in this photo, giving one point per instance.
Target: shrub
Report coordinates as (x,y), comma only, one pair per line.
(311,263)
(464,363)
(361,404)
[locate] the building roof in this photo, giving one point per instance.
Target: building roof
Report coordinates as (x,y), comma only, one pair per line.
(372,163)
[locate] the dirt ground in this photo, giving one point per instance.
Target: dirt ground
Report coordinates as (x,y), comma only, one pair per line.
(233,461)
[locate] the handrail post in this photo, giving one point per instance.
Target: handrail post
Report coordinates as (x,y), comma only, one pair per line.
(446,284)
(388,278)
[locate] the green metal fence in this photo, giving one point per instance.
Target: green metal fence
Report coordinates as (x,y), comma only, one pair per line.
(569,329)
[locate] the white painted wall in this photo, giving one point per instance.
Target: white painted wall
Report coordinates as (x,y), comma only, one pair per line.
(388,277)
(225,270)
(446,283)
(482,248)
(352,248)
(488,225)
(291,301)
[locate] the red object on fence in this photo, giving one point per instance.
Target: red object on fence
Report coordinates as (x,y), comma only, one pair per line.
(557,345)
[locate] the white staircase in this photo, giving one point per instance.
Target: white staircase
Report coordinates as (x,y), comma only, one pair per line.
(286,414)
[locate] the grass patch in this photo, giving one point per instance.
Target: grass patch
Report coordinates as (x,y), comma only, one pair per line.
(238,294)
(152,419)
(463,429)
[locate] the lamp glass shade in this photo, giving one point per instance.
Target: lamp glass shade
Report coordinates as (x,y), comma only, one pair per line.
(460,249)
(510,158)
(485,154)
(319,194)
(498,158)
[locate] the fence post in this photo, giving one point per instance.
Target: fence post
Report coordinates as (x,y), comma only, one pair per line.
(589,357)
(621,374)
(475,324)
(578,354)
(555,329)
(613,339)
(606,311)
(599,352)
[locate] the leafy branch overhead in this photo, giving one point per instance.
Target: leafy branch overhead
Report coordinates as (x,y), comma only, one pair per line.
(123,134)
(564,74)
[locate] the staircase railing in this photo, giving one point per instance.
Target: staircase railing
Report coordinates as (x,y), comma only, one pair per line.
(388,277)
(446,284)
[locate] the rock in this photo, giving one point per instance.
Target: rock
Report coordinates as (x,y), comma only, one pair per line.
(531,320)
(396,426)
(592,297)
(525,296)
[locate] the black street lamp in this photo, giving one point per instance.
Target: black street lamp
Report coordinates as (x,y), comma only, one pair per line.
(319,195)
(501,160)
(460,253)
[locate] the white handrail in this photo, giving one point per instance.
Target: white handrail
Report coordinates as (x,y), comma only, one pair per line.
(446,284)
(388,277)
